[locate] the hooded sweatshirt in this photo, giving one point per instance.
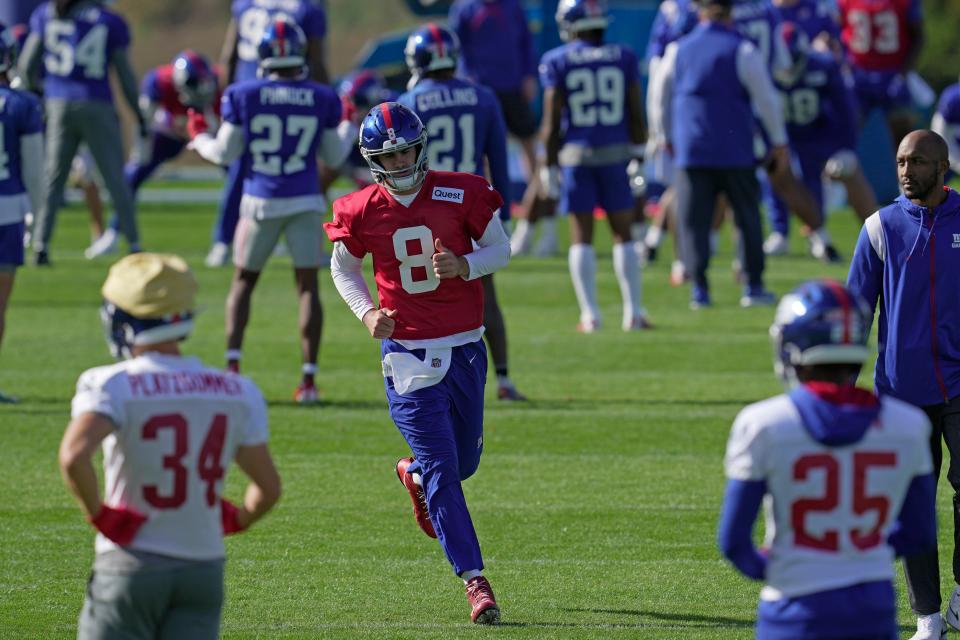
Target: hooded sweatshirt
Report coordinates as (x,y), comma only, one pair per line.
(908,260)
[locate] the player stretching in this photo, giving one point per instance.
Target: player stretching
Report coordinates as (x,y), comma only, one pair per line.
(278,124)
(169,427)
(420,226)
(466,126)
(847,477)
(21,171)
(592,127)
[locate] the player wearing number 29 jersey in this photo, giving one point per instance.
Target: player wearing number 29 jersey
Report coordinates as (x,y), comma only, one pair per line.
(169,428)
(847,476)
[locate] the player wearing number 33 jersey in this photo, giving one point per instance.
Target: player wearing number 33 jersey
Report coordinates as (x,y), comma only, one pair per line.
(847,477)
(420,227)
(169,429)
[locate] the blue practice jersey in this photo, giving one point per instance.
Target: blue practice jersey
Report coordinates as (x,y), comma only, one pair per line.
(252,18)
(674,19)
(759,22)
(949,109)
(813,17)
(820,108)
(595,81)
(283,122)
(77,50)
(464,124)
(20,115)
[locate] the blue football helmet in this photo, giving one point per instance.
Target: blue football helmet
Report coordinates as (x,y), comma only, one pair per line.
(576,16)
(123,330)
(390,127)
(363,89)
(819,322)
(8,49)
(796,44)
(194,79)
(431,48)
(283,45)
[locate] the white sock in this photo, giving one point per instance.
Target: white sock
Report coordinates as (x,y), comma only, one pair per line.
(714,242)
(549,228)
(653,237)
(520,238)
(233,354)
(583,272)
(470,575)
(417,479)
(821,236)
(627,268)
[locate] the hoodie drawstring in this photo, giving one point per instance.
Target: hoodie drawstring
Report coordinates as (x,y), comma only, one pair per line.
(917,238)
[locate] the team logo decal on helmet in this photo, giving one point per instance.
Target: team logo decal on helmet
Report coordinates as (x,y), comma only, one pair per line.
(821,322)
(431,48)
(194,79)
(283,45)
(388,128)
(148,298)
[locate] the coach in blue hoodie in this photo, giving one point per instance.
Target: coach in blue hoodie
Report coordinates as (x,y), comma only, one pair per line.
(908,259)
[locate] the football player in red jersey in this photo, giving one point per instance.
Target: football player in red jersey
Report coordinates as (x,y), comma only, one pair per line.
(883,39)
(421,228)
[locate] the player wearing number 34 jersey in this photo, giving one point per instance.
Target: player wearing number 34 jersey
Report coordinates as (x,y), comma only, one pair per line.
(847,476)
(420,227)
(169,428)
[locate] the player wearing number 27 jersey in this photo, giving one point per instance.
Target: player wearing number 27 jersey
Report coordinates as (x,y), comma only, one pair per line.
(847,476)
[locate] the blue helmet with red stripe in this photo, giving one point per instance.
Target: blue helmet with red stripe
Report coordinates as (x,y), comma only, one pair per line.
(820,322)
(431,48)
(193,78)
(283,45)
(577,16)
(363,89)
(797,45)
(388,128)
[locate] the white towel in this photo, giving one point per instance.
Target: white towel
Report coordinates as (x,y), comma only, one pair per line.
(410,373)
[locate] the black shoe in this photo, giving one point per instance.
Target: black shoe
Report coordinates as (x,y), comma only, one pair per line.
(41,259)
(832,256)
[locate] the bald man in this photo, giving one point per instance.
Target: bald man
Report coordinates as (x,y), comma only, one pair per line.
(908,259)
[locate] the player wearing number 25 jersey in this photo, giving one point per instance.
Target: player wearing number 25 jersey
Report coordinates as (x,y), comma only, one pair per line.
(846,476)
(421,226)
(279,124)
(169,428)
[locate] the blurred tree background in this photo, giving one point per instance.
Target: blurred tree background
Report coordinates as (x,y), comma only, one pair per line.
(940,61)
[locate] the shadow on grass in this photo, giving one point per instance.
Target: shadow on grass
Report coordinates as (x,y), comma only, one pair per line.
(675,619)
(323,405)
(575,404)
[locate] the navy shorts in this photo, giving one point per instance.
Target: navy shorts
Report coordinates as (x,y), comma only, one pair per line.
(884,90)
(11,245)
(583,188)
(443,423)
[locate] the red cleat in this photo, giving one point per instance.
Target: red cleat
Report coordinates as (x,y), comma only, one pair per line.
(418,497)
(306,394)
(480,595)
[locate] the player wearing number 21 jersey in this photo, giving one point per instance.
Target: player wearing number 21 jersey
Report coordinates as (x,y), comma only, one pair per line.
(421,226)
(846,476)
(169,429)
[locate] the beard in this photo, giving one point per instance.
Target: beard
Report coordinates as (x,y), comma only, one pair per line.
(920,188)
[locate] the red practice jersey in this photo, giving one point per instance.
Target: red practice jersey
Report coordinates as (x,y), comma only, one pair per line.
(876,33)
(454,207)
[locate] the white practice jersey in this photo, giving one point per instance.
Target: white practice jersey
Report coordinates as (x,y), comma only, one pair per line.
(178,426)
(829,510)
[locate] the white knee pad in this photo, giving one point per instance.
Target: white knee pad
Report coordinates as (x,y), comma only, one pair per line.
(842,164)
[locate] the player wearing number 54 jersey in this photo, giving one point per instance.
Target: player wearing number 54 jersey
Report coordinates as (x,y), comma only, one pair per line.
(279,125)
(847,477)
(420,227)
(169,427)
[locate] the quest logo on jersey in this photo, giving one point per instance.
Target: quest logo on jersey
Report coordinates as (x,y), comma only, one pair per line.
(449,194)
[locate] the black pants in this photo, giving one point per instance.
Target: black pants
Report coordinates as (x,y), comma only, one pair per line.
(922,571)
(697,189)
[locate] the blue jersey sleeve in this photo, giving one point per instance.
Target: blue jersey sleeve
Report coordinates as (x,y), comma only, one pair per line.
(38,19)
(741,504)
(32,119)
(118,33)
(949,104)
(915,530)
(229,111)
(149,86)
(549,73)
(314,23)
(866,271)
(631,67)
(334,112)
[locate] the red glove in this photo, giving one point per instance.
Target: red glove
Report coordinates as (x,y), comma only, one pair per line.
(196,123)
(120,525)
(228,518)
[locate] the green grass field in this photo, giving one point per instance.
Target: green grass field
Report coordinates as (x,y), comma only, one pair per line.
(596,502)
